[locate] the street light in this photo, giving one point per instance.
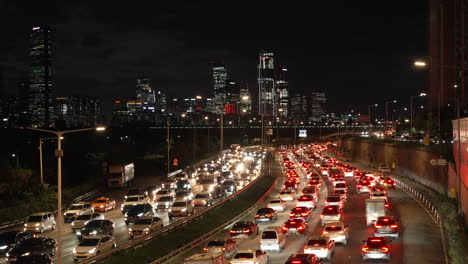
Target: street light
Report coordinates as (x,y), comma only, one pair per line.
(420,63)
(59,155)
(40,157)
(411,112)
(386,111)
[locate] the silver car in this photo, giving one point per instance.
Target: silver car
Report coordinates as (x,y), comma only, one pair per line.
(144,226)
(81,220)
(226,245)
(40,222)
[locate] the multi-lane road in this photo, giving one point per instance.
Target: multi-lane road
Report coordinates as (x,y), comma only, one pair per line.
(419,240)
(69,238)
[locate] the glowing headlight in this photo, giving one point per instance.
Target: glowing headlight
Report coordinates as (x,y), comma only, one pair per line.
(78,233)
(140,215)
(146,229)
(121,206)
(94,232)
(183,209)
(129,229)
(91,251)
(64,213)
(74,250)
(101,206)
(3,247)
(7,254)
(73,223)
(38,224)
(170,210)
(25,224)
(26,254)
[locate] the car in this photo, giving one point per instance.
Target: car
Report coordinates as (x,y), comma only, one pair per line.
(169,183)
(32,246)
(138,211)
(383,168)
(132,201)
(336,231)
(34,259)
(306,200)
(301,258)
(386,226)
(77,209)
(342,193)
(272,238)
(334,199)
(254,256)
(295,226)
(183,185)
(265,215)
(145,225)
(226,245)
(244,228)
(287,195)
(230,186)
(363,186)
(164,203)
(103,204)
(311,190)
(300,212)
(378,194)
(181,208)
(183,196)
(133,192)
(181,176)
(314,183)
(375,248)
(9,239)
(151,191)
(81,220)
(40,222)
(91,246)
(95,228)
(321,246)
(277,205)
(202,199)
(349,172)
(331,213)
(388,183)
(165,192)
(207,184)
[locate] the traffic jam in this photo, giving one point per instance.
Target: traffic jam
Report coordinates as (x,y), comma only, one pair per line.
(307,220)
(98,226)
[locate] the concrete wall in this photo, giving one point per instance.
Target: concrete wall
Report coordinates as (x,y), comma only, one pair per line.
(410,162)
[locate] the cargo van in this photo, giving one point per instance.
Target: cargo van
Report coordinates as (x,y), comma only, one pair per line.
(272,239)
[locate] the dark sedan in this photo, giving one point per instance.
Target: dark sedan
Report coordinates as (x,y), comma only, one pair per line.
(32,246)
(10,238)
(96,227)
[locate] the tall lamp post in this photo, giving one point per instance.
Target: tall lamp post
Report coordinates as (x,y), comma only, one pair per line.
(411,113)
(168,137)
(386,112)
(40,157)
(59,155)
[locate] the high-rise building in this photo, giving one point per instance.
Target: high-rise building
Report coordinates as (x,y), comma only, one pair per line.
(161,102)
(318,100)
(219,86)
(232,98)
(40,107)
(282,92)
(299,110)
(144,92)
(245,100)
(266,85)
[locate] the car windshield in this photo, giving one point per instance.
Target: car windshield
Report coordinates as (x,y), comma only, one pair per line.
(340,185)
(179,204)
(333,228)
(8,237)
(215,243)
(35,218)
(101,201)
(240,225)
(84,217)
(333,199)
(316,242)
(227,183)
(385,221)
(243,256)
(137,208)
(201,196)
(133,199)
(169,181)
(75,207)
(165,199)
(89,242)
(269,235)
(285,192)
(143,222)
(93,224)
(32,242)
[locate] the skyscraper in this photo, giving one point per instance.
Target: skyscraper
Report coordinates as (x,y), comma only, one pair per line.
(266,85)
(282,92)
(232,97)
(245,100)
(40,105)
(317,108)
(144,92)
(219,86)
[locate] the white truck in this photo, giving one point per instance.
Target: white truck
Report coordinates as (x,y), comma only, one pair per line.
(206,258)
(120,175)
(374,209)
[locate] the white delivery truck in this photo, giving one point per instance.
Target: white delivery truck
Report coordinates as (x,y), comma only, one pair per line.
(374,209)
(206,258)
(120,175)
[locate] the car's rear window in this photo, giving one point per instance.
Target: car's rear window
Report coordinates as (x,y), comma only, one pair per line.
(215,243)
(333,199)
(333,228)
(243,256)
(316,242)
(269,235)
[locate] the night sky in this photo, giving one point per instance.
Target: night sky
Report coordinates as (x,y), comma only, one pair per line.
(358,52)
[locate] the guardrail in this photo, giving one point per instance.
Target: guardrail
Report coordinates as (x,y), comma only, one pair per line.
(146,238)
(81,198)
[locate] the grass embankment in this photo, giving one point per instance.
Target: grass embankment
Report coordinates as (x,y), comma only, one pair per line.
(171,241)
(45,200)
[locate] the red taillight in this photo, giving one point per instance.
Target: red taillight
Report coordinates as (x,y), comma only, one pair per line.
(257,215)
(304,214)
(205,249)
(387,205)
(300,228)
(365,249)
(246,231)
(376,240)
(393,226)
(385,249)
(285,228)
(296,262)
(292,214)
(378,226)
(232,231)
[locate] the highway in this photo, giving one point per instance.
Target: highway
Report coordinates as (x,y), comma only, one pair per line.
(419,240)
(70,240)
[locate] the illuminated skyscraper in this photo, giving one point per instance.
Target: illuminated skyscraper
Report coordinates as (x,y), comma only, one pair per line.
(318,100)
(40,105)
(245,100)
(266,85)
(144,92)
(282,92)
(219,85)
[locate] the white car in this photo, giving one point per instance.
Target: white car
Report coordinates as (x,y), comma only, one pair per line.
(202,199)
(277,204)
(77,209)
(183,196)
(81,220)
(378,195)
(134,200)
(336,231)
(250,256)
(144,226)
(322,246)
(349,173)
(164,192)
(286,195)
(91,246)
(306,200)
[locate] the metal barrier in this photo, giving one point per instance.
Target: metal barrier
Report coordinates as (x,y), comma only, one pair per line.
(81,198)
(146,238)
